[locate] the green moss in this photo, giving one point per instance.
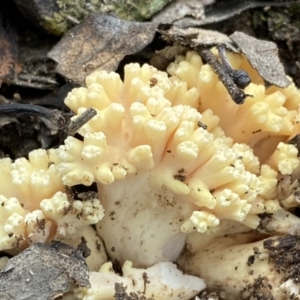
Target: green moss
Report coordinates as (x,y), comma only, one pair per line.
(279,18)
(137,10)
(258,19)
(131,10)
(54,27)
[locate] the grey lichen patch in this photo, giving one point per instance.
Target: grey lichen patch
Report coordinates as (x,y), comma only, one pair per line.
(43,272)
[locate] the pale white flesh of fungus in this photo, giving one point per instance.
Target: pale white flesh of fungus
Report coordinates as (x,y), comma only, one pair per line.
(3,262)
(239,265)
(175,159)
(160,282)
(160,175)
(98,254)
(268,117)
(58,218)
(30,181)
(145,231)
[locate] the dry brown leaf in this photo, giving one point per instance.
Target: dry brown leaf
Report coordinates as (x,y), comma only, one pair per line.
(263,56)
(99,42)
(8,54)
(194,37)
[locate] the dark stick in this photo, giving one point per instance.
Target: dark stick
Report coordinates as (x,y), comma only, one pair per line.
(54,117)
(81,120)
(237,95)
(239,77)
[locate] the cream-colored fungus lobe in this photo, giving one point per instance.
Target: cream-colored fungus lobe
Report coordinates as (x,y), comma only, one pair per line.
(177,164)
